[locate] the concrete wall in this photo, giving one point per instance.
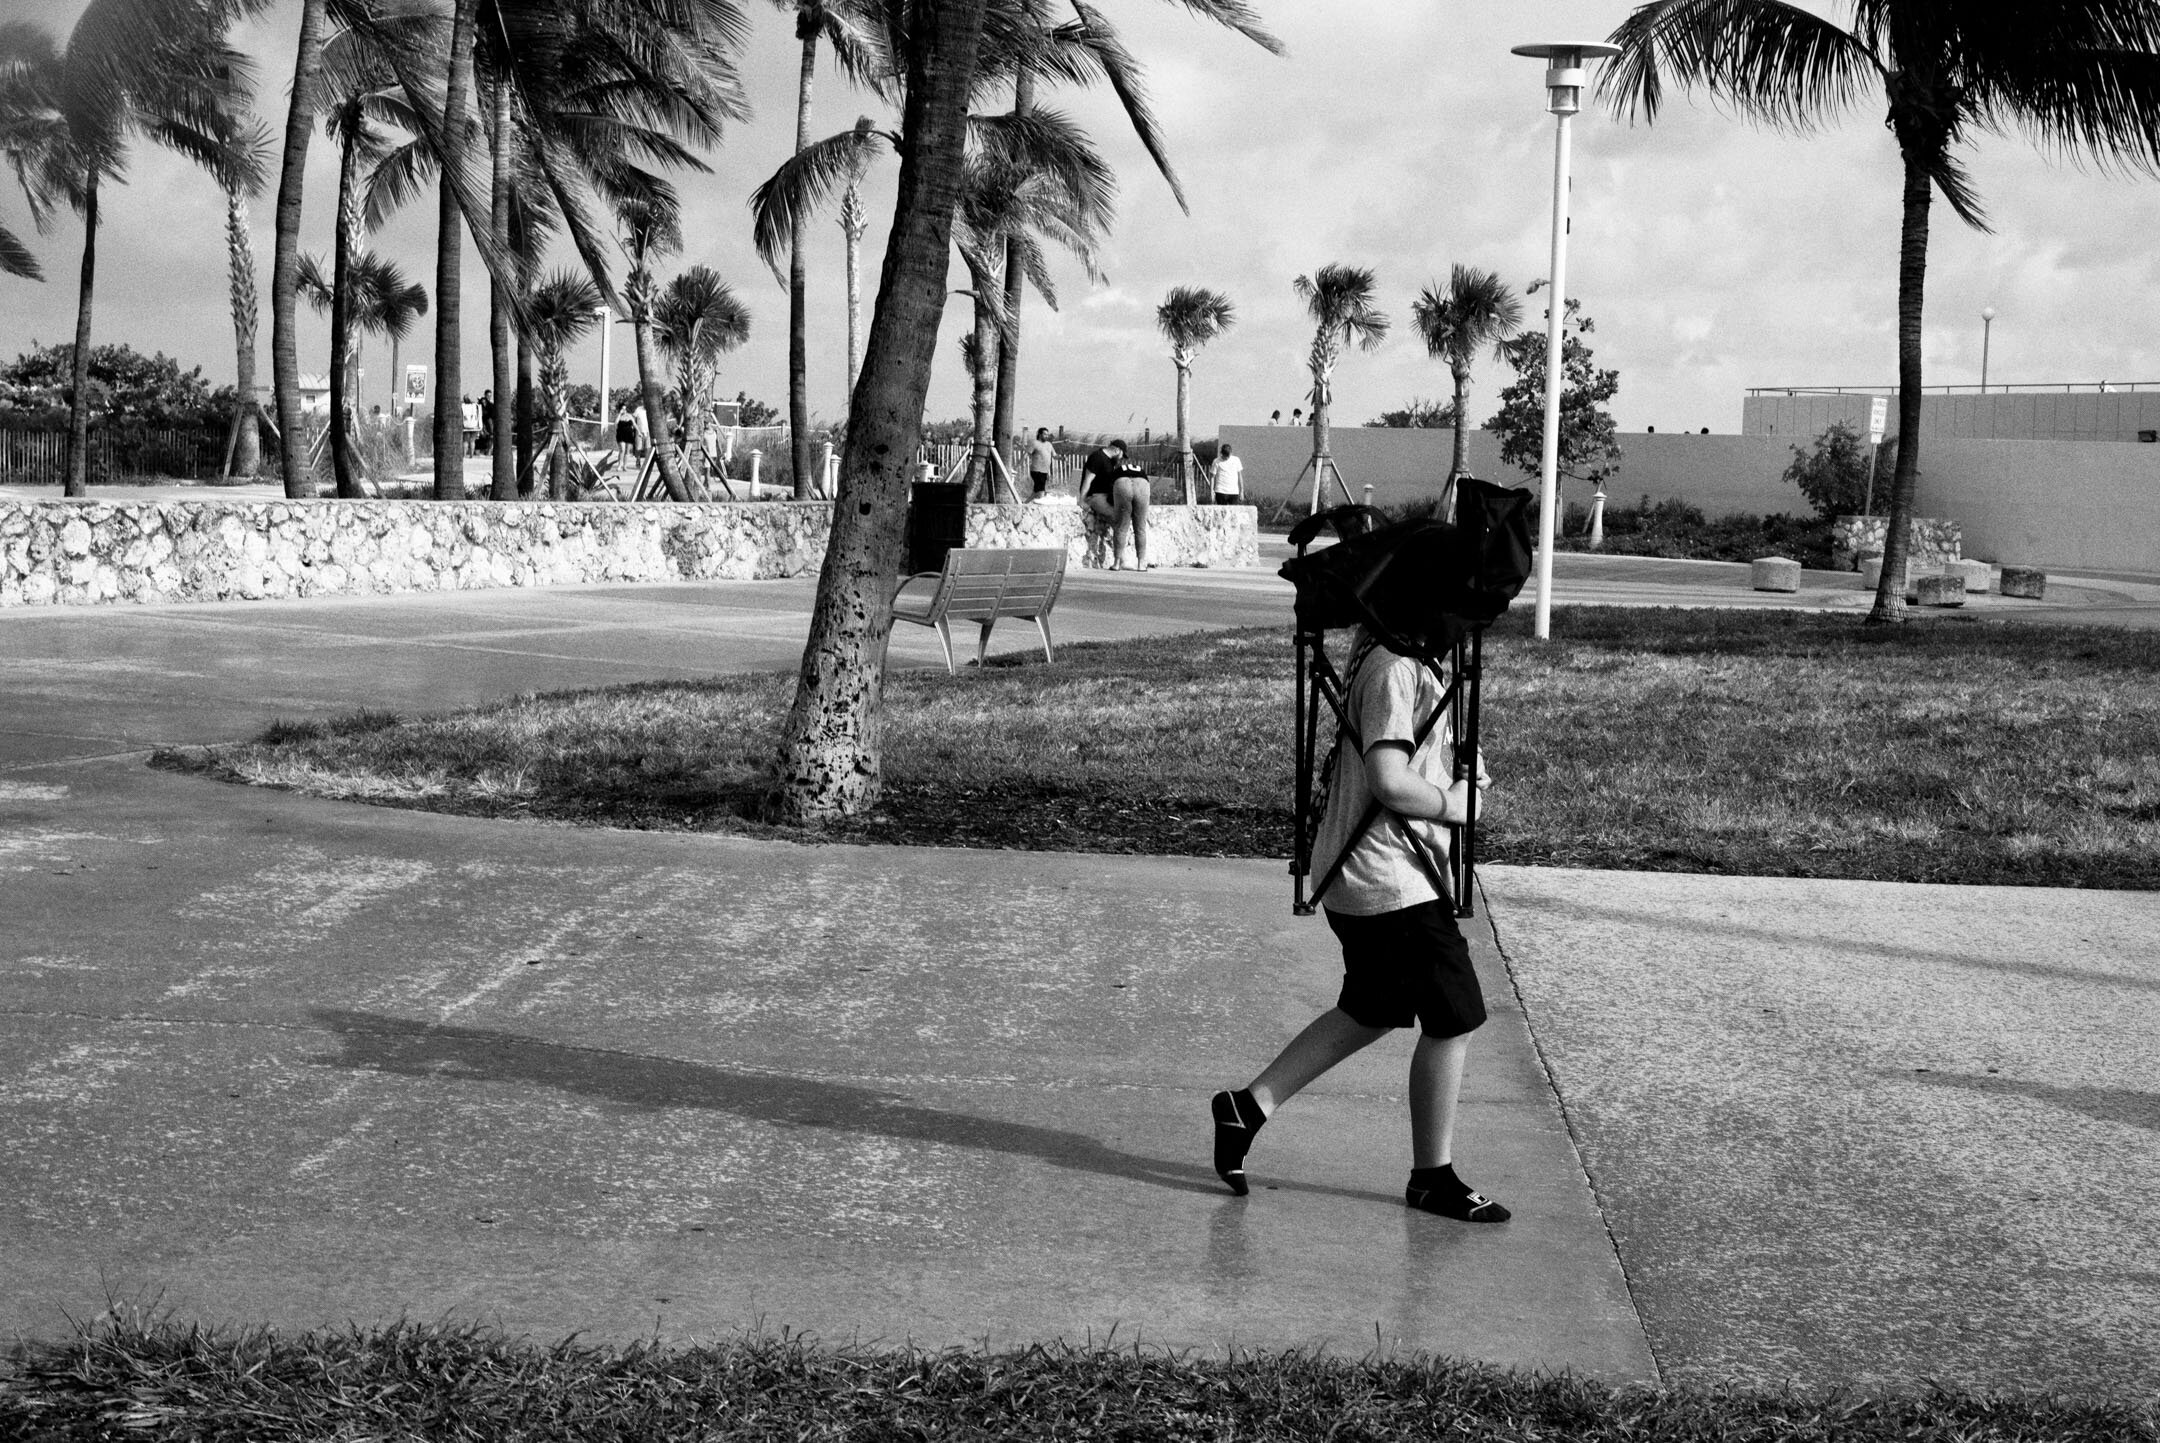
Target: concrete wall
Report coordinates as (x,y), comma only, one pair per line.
(1720,474)
(94,552)
(2073,505)
(1998,415)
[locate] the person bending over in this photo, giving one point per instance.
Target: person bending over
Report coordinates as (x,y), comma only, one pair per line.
(1098,488)
(1404,959)
(1130,495)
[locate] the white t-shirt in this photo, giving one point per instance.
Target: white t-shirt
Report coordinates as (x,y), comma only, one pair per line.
(1229,473)
(1389,696)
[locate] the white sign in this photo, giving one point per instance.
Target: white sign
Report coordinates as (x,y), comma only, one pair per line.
(1878,414)
(416,383)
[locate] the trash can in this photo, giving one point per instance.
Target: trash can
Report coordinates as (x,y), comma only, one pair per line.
(937,522)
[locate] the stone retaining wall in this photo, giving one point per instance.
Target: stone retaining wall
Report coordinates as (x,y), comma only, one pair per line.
(87,553)
(1930,541)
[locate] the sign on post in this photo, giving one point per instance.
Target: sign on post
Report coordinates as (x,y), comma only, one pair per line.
(1878,417)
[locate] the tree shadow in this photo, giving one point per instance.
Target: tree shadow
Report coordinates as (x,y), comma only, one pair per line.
(2108,1104)
(373,1043)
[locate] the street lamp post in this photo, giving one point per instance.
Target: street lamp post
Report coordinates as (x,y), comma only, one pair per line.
(1987,331)
(607,339)
(1564,80)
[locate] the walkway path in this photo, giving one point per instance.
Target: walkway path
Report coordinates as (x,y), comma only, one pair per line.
(272,1058)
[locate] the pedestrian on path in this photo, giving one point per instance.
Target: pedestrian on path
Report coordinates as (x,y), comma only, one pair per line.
(1229,472)
(1388,903)
(1042,457)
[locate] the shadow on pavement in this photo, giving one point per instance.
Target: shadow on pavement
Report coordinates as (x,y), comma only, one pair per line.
(2107,1104)
(371,1042)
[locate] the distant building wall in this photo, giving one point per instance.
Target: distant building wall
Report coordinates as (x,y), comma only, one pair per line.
(1998,415)
(2073,505)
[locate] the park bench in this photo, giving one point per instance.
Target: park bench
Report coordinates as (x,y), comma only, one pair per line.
(982,584)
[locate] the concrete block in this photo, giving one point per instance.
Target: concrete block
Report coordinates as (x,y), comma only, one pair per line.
(1978,575)
(1775,573)
(1871,571)
(1940,591)
(1916,572)
(2028,582)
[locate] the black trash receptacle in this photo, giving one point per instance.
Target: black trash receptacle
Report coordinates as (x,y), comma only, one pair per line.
(937,522)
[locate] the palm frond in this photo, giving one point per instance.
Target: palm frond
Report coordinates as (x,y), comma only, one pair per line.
(1767,59)
(1191,316)
(562,310)
(397,179)
(805,181)
(1096,37)
(314,286)
(16,259)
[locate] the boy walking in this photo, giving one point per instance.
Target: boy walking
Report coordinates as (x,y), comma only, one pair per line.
(1386,897)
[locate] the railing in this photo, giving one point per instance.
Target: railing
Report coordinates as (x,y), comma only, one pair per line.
(1973,388)
(117,453)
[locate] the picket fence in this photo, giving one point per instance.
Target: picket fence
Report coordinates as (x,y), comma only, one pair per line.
(39,458)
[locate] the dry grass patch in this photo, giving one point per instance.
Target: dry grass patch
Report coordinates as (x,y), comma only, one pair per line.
(1764,743)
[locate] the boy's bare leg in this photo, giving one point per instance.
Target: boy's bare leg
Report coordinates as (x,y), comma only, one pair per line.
(1436,1074)
(1326,1040)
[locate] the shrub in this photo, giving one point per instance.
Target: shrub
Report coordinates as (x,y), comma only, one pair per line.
(1674,529)
(1833,473)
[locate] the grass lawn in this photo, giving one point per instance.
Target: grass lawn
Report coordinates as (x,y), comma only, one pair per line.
(164,1381)
(1950,749)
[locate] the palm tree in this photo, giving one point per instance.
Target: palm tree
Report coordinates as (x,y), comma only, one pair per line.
(243,440)
(651,227)
(1339,298)
(697,320)
(1027,50)
(1190,317)
(1032,178)
(1477,312)
(850,29)
(374,298)
(801,186)
(24,51)
(158,68)
(2080,76)
(559,312)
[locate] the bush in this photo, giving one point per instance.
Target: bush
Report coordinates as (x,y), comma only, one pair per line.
(1833,473)
(1674,529)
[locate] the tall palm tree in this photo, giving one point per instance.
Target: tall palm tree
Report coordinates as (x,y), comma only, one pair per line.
(373,296)
(560,311)
(1190,317)
(829,762)
(24,51)
(158,68)
(1339,299)
(697,320)
(651,227)
(1027,49)
(243,440)
(2080,76)
(1477,311)
(800,187)
(851,31)
(1033,178)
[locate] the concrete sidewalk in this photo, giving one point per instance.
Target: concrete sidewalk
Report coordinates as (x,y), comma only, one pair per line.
(280,1059)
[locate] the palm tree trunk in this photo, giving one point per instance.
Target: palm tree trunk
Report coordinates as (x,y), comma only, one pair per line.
(1184,416)
(831,745)
(1322,462)
(987,347)
(1460,465)
(648,366)
(527,481)
(1912,285)
(853,224)
(502,444)
(77,482)
(449,248)
(243,445)
(798,360)
(1008,370)
(341,326)
(285,258)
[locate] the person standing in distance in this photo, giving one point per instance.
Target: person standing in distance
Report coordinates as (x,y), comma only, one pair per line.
(1042,459)
(1229,474)
(1385,892)
(1098,490)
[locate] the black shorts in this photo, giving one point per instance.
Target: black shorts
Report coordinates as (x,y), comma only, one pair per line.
(1409,965)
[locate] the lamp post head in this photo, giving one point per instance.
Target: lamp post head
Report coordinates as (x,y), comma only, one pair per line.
(1564,73)
(1987,313)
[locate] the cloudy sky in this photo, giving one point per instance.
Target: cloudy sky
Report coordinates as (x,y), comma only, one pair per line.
(1396,134)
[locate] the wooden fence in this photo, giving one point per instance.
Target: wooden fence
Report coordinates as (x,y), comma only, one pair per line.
(117,453)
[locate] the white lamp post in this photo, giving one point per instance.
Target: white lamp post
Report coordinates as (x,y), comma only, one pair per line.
(1987,331)
(1564,80)
(607,337)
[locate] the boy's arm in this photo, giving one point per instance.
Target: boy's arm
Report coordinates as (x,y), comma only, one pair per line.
(1396,785)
